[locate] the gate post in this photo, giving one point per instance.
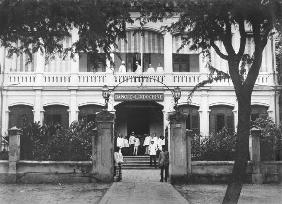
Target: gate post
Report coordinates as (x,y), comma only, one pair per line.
(189,151)
(178,148)
(257,177)
(102,147)
(14,153)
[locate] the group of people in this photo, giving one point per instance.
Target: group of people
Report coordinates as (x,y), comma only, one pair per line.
(159,69)
(140,144)
(151,145)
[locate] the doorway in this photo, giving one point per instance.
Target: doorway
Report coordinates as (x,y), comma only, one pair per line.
(141,117)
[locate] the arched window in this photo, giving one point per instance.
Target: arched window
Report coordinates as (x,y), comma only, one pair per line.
(193,119)
(56,114)
(221,117)
(88,112)
(258,111)
(20,115)
(146,48)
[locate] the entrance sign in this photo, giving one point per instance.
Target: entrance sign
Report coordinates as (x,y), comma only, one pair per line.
(139,97)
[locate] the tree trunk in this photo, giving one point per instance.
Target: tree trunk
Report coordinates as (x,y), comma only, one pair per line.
(238,176)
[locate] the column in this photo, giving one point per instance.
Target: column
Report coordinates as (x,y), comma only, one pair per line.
(5,114)
(39,62)
(178,148)
(204,112)
(38,109)
(168,69)
(14,153)
(273,106)
(75,60)
(102,147)
(189,151)
(73,110)
(235,114)
(257,177)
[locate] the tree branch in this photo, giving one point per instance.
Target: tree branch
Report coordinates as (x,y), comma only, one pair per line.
(242,39)
(217,50)
(227,39)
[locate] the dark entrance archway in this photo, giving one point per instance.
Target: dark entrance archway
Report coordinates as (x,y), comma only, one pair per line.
(142,117)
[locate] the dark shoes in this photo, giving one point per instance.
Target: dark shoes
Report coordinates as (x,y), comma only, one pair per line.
(161,180)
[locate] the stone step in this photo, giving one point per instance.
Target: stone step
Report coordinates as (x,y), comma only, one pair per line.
(138,167)
(137,162)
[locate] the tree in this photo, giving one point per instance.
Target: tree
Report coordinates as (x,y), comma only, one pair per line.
(203,23)
(29,26)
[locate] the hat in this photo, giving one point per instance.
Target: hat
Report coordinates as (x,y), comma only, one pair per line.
(122,62)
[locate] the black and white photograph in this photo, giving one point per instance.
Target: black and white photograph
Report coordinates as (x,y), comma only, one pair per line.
(140,101)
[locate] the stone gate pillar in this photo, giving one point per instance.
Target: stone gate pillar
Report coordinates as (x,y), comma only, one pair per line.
(257,177)
(14,153)
(102,147)
(178,148)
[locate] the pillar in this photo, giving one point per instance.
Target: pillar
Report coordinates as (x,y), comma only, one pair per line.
(38,106)
(189,151)
(168,58)
(73,110)
(14,153)
(5,114)
(274,106)
(257,177)
(39,67)
(204,112)
(235,115)
(102,147)
(178,148)
(75,60)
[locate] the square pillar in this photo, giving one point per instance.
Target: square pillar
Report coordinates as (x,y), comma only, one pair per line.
(102,147)
(38,106)
(257,177)
(178,148)
(189,151)
(168,52)
(14,153)
(204,113)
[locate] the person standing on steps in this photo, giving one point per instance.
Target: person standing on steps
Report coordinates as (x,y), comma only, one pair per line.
(125,146)
(131,143)
(147,142)
(164,163)
(153,152)
(136,146)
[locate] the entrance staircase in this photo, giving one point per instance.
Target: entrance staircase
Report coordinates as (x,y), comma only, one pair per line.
(137,162)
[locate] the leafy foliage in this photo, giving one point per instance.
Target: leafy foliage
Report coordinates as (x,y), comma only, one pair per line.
(32,26)
(271,138)
(216,147)
(54,142)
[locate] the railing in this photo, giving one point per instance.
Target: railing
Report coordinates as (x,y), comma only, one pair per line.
(56,79)
(23,79)
(186,79)
(133,79)
(86,79)
(123,79)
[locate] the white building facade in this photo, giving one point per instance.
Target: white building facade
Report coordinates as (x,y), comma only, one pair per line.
(66,90)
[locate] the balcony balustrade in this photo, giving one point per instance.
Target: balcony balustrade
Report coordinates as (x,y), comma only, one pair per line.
(31,79)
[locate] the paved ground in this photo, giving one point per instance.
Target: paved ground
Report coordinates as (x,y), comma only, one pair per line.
(52,193)
(251,194)
(137,185)
(142,187)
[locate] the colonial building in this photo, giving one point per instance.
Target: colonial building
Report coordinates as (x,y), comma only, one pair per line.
(66,90)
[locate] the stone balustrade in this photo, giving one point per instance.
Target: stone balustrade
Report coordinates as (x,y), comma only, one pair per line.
(97,79)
